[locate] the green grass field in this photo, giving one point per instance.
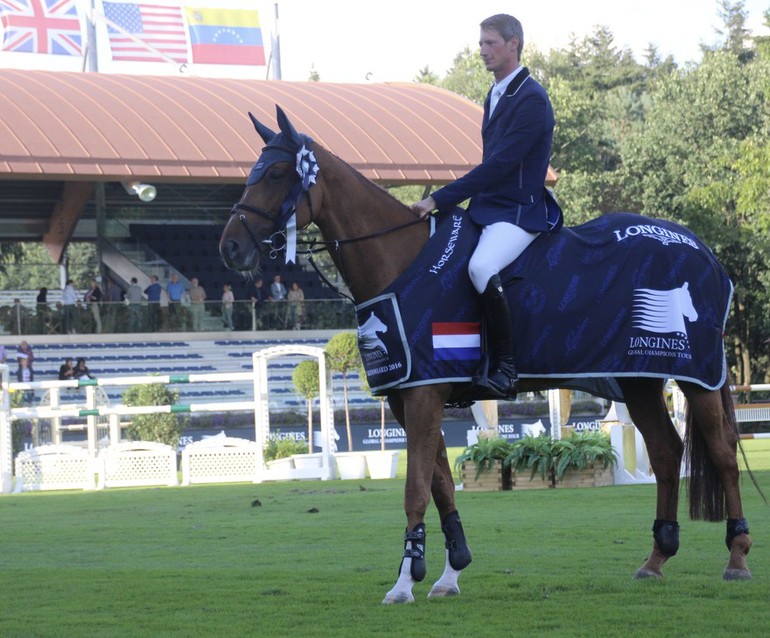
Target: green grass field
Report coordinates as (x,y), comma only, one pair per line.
(207,561)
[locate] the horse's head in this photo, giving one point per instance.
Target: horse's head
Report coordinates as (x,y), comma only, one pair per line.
(283,173)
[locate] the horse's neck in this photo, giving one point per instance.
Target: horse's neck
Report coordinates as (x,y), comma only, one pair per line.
(353,207)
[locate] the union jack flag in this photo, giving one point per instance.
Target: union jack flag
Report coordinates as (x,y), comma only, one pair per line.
(40,26)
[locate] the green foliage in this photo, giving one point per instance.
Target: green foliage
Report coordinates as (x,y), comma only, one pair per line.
(163,428)
(305,378)
(541,455)
(484,453)
(280,448)
(533,454)
(582,450)
(27,266)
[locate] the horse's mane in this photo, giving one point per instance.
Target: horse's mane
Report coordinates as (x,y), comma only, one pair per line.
(364,181)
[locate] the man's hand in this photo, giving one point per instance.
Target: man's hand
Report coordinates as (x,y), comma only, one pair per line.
(425,207)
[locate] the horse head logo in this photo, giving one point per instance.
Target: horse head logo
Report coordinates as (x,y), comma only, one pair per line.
(663,311)
(367,334)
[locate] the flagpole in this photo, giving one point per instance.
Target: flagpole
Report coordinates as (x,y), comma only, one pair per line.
(91,62)
(275,52)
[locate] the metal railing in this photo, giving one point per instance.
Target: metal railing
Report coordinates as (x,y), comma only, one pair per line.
(211,316)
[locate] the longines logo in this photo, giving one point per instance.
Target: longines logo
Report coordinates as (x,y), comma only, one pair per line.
(663,235)
(662,312)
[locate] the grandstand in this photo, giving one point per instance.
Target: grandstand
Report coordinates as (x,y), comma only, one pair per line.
(190,353)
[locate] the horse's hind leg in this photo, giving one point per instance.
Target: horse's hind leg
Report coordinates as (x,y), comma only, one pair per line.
(647,408)
(714,472)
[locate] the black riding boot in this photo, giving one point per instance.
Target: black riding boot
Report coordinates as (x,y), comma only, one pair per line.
(502,378)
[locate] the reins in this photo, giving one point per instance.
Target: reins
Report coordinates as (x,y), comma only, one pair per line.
(311,244)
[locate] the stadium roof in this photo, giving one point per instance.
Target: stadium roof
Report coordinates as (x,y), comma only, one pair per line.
(115,127)
(63,133)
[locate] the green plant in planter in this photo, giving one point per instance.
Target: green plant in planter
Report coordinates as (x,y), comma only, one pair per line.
(582,450)
(278,448)
(534,454)
(484,453)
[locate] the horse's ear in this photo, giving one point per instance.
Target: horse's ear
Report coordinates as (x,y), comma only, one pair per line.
(287,128)
(265,133)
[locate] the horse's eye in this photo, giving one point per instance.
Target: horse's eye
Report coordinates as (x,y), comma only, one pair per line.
(276,174)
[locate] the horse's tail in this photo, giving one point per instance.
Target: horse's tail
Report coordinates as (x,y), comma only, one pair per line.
(705,488)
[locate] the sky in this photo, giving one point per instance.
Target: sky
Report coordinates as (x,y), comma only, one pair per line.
(391,40)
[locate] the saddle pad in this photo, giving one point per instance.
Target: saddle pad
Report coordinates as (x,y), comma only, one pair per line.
(620,296)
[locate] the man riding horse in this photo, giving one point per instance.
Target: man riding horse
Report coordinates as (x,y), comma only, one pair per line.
(507,190)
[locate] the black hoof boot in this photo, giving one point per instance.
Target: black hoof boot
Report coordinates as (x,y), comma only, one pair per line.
(457,547)
(666,535)
(414,548)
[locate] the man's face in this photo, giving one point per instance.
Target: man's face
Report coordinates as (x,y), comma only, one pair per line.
(499,56)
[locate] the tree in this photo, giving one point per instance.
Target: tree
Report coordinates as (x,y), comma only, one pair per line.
(343,356)
(161,427)
(307,383)
(698,159)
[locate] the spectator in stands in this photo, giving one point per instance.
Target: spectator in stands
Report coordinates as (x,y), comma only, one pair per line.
(69,299)
(134,298)
(42,311)
(153,292)
(258,299)
(175,290)
(3,354)
(81,370)
(296,312)
(277,289)
(24,351)
(197,304)
(67,370)
(93,299)
(228,298)
(113,296)
(24,374)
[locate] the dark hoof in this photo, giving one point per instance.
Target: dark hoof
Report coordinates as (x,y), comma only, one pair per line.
(643,573)
(736,574)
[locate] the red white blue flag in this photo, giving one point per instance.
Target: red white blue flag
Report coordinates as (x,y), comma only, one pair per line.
(145,32)
(40,26)
(456,341)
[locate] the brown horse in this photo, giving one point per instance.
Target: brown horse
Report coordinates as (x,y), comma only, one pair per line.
(363,225)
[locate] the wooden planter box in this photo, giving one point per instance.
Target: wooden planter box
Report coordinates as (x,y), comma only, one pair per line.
(489,481)
(588,477)
(523,482)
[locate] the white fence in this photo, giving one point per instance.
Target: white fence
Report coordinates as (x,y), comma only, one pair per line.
(139,463)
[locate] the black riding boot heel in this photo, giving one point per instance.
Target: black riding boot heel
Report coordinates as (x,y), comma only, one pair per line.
(503,378)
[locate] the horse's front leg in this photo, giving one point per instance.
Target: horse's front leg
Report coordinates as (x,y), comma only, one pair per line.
(419,410)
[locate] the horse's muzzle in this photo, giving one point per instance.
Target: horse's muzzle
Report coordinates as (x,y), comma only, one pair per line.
(239,257)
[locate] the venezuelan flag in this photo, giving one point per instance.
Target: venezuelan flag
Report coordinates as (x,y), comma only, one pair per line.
(225,36)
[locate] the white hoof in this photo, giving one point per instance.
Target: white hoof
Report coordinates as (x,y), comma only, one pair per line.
(397,598)
(444,591)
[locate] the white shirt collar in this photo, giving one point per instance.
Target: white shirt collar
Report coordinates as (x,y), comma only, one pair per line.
(503,84)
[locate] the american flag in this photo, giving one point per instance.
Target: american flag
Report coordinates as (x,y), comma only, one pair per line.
(147,33)
(40,26)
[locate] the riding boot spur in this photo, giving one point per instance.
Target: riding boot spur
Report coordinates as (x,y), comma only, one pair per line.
(502,378)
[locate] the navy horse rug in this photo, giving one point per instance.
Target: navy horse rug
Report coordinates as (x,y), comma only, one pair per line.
(620,296)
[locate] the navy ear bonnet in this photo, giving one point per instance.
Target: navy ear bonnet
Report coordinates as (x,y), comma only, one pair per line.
(281,148)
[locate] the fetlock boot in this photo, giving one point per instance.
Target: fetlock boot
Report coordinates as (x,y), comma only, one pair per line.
(502,378)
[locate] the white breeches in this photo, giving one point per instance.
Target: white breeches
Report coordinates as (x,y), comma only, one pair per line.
(499,245)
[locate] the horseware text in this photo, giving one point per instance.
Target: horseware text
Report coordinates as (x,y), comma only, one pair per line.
(457,224)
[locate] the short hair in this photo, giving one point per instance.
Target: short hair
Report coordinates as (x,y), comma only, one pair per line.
(507,26)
